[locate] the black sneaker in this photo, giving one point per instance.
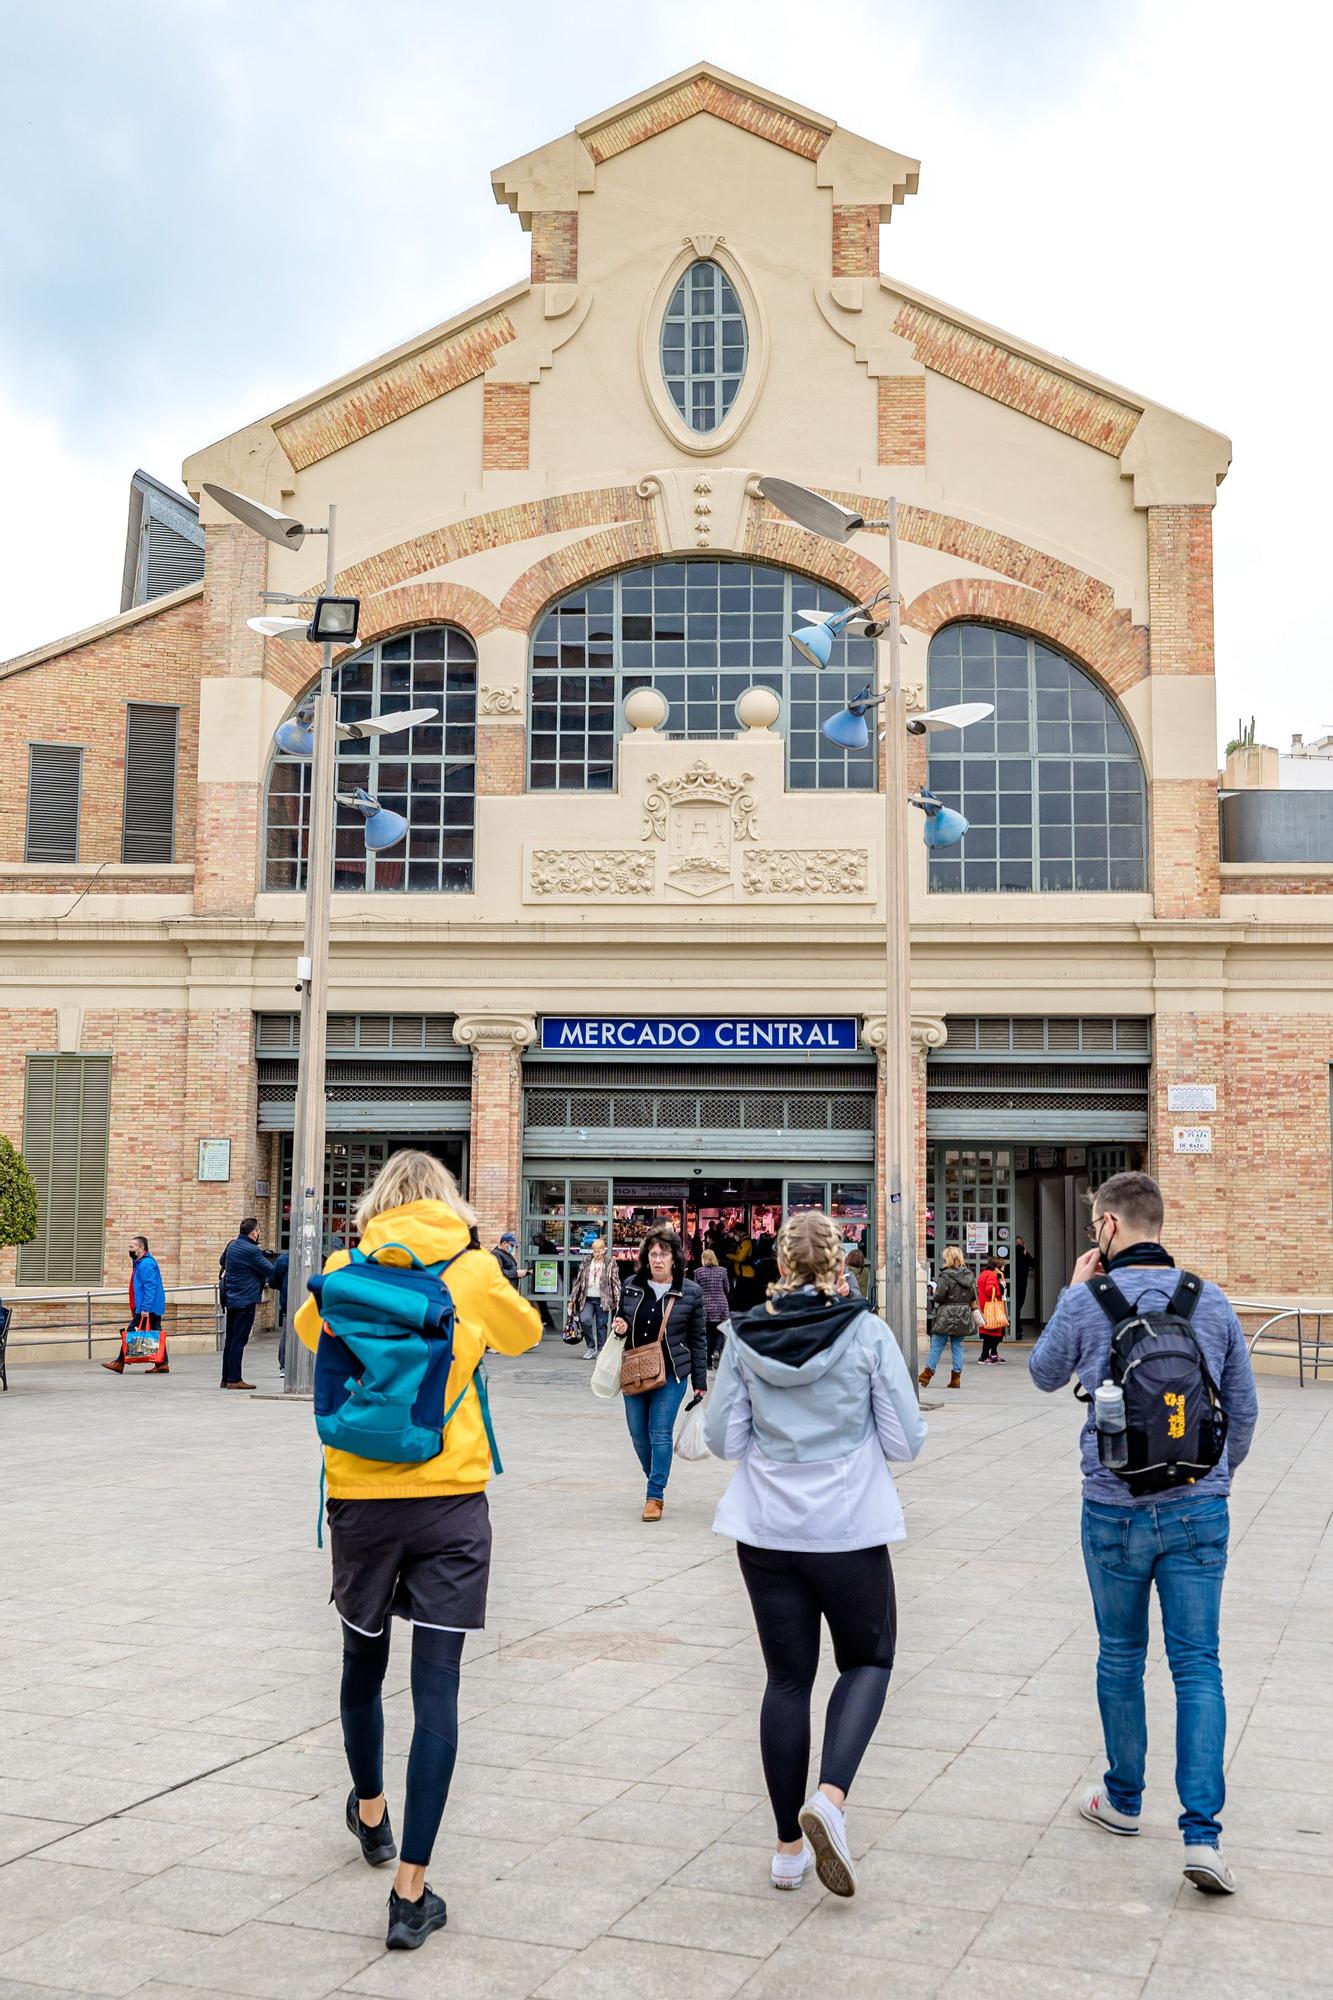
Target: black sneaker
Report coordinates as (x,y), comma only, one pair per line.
(377,1842)
(410,1924)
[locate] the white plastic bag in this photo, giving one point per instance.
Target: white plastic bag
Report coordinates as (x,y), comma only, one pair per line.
(689,1441)
(605,1380)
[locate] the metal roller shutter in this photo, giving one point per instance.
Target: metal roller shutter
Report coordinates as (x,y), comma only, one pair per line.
(66,1115)
(54,783)
(148,822)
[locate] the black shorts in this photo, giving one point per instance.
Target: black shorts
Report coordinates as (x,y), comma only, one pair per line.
(427,1560)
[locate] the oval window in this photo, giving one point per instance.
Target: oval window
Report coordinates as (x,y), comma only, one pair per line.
(704,345)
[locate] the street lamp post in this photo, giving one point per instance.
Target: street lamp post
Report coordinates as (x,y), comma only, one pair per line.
(332,623)
(822,516)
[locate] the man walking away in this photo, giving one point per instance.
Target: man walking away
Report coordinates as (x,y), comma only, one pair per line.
(505,1254)
(1179,1353)
(281,1264)
(1022,1264)
(245,1273)
(148,1302)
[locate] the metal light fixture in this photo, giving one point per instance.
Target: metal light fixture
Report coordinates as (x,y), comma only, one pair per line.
(944,827)
(960,715)
(271,626)
(296,736)
(812,510)
(849,728)
(382,828)
(284,529)
(334,621)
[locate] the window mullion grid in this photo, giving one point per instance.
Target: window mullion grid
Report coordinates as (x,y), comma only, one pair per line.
(1034,878)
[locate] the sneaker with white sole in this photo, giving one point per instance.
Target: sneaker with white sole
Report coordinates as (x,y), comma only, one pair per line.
(826,1830)
(790,1870)
(1098,1808)
(1207,1869)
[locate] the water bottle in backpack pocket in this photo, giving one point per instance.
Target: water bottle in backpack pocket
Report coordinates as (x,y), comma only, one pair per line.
(386,1347)
(1174,1427)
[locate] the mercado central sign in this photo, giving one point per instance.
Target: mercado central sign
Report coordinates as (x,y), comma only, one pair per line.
(823,1035)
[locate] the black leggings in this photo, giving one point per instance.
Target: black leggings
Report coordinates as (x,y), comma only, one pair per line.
(853,1590)
(430,1763)
(989,1344)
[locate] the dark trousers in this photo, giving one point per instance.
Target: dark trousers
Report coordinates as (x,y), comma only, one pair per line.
(240,1320)
(430,1762)
(790,1593)
(989,1345)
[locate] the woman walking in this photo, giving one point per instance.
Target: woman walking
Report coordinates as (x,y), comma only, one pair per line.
(813,1398)
(595,1296)
(954,1316)
(413,1541)
(994,1317)
(661,1307)
(715,1284)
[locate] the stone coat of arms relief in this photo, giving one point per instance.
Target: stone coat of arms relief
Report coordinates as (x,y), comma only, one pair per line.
(700,814)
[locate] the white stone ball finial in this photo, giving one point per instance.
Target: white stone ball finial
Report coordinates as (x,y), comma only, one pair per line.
(645,708)
(758,708)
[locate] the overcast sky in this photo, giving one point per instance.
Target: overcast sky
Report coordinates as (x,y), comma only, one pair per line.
(209,206)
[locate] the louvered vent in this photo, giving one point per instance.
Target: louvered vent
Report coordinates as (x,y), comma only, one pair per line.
(149,821)
(365,1034)
(1035,1035)
(54,779)
(65,1118)
(170,562)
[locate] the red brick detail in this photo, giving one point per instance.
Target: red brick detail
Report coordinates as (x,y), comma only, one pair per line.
(501,759)
(504,426)
(494,1167)
(1007,377)
(769,538)
(154,659)
(235,572)
(1192,1048)
(855,240)
(1180,589)
(227,850)
(218,1087)
(1186,872)
(389,393)
(613,548)
(527,520)
(902,419)
(703,93)
(1113,648)
(293,664)
(1244,883)
(555,245)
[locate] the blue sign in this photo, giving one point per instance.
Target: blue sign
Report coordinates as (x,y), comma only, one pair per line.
(663,1035)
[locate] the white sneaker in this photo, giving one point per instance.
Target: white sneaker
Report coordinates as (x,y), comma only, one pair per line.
(1098,1808)
(826,1830)
(790,1870)
(1207,1869)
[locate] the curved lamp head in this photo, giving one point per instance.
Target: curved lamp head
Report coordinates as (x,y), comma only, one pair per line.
(960,716)
(296,736)
(811,510)
(849,728)
(382,828)
(283,529)
(814,643)
(272,627)
(944,827)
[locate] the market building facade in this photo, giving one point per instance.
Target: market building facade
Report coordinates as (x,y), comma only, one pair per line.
(618,971)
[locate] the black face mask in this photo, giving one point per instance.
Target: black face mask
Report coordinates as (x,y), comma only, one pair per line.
(135,1255)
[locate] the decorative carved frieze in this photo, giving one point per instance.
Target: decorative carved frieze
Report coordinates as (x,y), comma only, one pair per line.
(501,701)
(495,1034)
(928,1032)
(568,872)
(809,871)
(700,785)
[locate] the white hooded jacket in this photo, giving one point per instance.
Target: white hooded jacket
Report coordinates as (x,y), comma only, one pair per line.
(813,1398)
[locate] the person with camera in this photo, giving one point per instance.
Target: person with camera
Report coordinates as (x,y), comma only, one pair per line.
(1164,1367)
(661,1318)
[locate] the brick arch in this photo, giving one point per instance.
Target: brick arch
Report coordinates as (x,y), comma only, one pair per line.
(1109,645)
(768,538)
(288,661)
(565,569)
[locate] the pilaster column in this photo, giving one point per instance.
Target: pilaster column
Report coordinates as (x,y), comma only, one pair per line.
(497,1042)
(227,829)
(1185,860)
(928,1032)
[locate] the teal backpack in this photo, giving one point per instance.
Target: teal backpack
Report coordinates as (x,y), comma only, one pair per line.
(382,1366)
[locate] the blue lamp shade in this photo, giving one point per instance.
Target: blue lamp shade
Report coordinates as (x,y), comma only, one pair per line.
(296,736)
(848,729)
(382,828)
(815,643)
(944,827)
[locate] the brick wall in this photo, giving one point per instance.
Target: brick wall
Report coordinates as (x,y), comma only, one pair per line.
(494,1160)
(504,426)
(855,241)
(555,245)
(501,759)
(902,419)
(220,1097)
(1180,589)
(1186,873)
(81,697)
(227,867)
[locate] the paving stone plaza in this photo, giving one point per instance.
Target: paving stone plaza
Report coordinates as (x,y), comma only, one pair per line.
(172,1780)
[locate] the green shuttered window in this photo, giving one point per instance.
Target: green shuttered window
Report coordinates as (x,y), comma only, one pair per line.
(54,779)
(66,1110)
(148,823)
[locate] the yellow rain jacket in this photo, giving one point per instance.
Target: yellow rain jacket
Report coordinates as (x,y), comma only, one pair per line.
(488,1313)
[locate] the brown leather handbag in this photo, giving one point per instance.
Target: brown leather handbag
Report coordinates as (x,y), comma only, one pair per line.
(644,1368)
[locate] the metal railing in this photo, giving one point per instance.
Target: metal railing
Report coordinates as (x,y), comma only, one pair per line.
(78,1319)
(1314,1347)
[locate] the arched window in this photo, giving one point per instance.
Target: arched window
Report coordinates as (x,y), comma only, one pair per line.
(704,345)
(427,774)
(1053,786)
(701,632)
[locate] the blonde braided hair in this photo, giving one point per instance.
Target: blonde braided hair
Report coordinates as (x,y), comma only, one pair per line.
(810,1252)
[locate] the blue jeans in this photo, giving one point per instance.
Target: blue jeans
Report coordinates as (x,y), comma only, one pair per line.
(650,1419)
(1181,1546)
(593,1319)
(938,1343)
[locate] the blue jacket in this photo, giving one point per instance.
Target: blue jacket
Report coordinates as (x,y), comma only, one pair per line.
(1077,1341)
(246,1272)
(149,1293)
(281,1265)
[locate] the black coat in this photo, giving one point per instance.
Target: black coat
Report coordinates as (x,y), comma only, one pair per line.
(955,1298)
(686,1326)
(507,1261)
(246,1272)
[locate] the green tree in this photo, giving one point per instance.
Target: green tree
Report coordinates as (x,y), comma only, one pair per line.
(18,1196)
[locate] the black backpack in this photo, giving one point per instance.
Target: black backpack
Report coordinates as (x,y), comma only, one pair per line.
(1176,1425)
